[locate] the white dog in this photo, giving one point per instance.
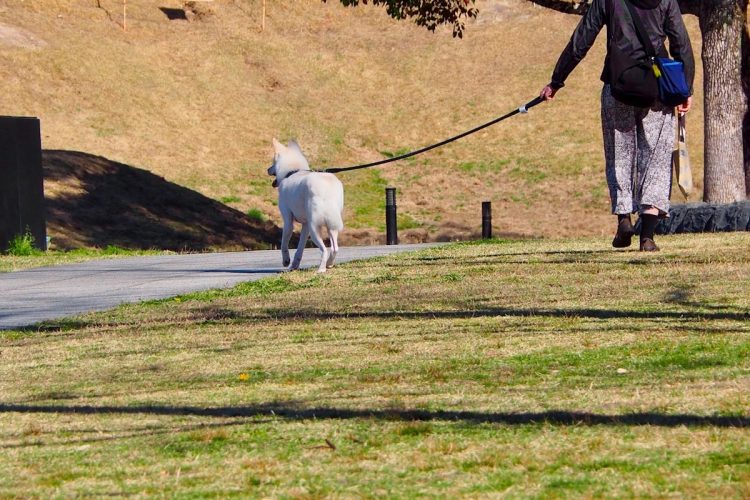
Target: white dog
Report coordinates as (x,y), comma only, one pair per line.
(314,199)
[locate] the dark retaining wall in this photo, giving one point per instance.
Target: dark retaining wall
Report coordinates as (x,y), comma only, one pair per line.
(705,218)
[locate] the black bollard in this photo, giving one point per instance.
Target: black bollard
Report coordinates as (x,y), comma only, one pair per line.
(391,232)
(486,220)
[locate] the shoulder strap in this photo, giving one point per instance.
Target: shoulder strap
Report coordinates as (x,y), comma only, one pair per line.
(641,31)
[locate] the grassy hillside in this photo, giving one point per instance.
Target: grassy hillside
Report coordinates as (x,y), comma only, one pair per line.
(530,369)
(198,102)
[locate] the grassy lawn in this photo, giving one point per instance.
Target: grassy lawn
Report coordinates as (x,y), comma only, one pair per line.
(520,368)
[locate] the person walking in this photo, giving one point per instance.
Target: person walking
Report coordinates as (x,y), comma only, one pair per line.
(638,140)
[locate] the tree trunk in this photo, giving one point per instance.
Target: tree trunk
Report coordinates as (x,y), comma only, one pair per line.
(746,88)
(722,26)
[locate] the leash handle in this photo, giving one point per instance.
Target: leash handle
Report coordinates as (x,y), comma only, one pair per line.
(526,107)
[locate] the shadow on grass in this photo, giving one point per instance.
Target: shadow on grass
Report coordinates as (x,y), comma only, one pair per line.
(682,296)
(135,433)
(294,412)
(214,313)
(278,314)
(94,201)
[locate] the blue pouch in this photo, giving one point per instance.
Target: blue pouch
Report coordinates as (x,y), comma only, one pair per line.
(673,88)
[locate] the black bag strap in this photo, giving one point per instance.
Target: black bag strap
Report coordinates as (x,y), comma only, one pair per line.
(640,30)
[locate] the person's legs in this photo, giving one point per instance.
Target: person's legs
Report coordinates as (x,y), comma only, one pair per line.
(649,219)
(619,133)
(625,231)
(655,139)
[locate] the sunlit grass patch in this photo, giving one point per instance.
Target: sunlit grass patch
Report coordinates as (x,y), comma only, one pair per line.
(368,205)
(256,214)
(10,263)
(22,245)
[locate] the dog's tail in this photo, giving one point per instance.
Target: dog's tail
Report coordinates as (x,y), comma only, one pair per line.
(334,218)
(334,222)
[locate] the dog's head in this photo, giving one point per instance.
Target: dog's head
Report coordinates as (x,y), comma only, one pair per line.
(286,159)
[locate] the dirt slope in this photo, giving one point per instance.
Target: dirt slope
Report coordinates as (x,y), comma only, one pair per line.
(197,102)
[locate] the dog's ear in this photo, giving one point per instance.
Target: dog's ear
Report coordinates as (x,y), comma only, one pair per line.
(277,146)
(293,145)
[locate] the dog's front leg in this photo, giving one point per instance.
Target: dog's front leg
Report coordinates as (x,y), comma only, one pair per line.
(303,234)
(286,235)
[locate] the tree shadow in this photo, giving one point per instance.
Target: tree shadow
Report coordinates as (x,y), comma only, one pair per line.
(682,295)
(294,411)
(95,202)
(319,315)
(568,258)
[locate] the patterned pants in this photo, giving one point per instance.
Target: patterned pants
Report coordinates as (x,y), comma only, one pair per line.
(638,145)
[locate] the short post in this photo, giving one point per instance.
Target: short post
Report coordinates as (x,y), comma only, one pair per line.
(391,231)
(263,17)
(486,220)
(21,181)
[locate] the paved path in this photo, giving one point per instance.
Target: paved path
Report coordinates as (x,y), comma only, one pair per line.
(28,297)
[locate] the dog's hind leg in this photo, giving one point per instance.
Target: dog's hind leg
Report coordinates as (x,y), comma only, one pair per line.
(316,238)
(300,247)
(286,235)
(334,236)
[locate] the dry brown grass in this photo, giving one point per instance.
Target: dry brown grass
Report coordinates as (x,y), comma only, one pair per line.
(198,102)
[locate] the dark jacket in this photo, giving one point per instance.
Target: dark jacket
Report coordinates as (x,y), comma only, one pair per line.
(661,18)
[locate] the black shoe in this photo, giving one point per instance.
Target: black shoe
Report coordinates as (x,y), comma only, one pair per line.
(624,236)
(648,245)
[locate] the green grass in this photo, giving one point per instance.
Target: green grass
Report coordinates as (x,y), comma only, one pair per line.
(261,288)
(489,368)
(368,207)
(393,154)
(256,214)
(9,263)
(406,221)
(22,246)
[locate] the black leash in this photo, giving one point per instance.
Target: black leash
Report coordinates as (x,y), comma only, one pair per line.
(522,109)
